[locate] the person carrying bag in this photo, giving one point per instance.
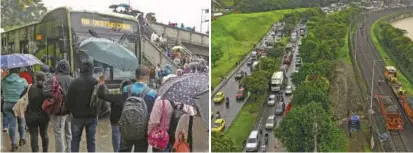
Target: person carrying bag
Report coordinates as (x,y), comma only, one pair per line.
(21,105)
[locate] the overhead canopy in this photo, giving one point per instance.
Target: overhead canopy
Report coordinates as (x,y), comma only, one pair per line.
(110,53)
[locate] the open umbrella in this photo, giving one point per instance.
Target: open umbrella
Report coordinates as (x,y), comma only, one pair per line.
(186,89)
(18,60)
(177,48)
(110,53)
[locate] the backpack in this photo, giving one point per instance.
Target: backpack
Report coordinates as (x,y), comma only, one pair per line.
(55,105)
(134,118)
(158,137)
(99,106)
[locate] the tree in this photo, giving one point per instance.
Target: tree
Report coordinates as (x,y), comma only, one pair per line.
(321,68)
(216,54)
(221,143)
(312,90)
(257,82)
(299,128)
(269,64)
(17,13)
(277,51)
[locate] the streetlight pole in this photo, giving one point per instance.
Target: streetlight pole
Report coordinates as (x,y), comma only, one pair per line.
(372,86)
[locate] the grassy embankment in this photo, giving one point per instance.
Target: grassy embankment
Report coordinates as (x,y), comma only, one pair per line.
(387,59)
(236,34)
(243,124)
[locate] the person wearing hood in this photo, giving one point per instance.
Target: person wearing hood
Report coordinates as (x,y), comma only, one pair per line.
(46,70)
(37,120)
(79,98)
(25,73)
(12,86)
(60,123)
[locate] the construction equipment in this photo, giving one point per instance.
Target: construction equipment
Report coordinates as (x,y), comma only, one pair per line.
(390,112)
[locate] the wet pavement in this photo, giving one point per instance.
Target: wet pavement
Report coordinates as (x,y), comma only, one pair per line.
(230,90)
(103,139)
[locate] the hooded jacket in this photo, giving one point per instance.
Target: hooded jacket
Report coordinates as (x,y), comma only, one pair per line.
(62,75)
(80,92)
(12,86)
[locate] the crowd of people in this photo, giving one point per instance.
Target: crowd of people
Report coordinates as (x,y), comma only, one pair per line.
(55,98)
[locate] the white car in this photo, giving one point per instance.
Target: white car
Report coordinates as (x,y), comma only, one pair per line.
(271,100)
(288,90)
(297,69)
(270,122)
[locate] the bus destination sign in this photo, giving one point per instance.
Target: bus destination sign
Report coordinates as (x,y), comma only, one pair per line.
(106,24)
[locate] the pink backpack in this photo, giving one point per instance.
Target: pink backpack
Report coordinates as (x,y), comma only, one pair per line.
(158,138)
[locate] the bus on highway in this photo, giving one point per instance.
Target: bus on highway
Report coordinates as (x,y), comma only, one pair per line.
(58,33)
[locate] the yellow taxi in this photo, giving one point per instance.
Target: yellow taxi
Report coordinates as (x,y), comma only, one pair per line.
(219,97)
(218,126)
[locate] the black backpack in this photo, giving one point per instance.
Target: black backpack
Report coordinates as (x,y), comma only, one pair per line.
(99,106)
(134,119)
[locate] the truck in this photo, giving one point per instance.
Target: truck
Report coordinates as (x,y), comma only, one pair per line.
(254,55)
(288,57)
(390,73)
(277,80)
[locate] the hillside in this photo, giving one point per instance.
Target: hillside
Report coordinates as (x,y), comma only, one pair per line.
(234,35)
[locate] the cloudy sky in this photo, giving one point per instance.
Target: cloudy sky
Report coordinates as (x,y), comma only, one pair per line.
(165,10)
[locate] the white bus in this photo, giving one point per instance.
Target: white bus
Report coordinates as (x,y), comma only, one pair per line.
(277,81)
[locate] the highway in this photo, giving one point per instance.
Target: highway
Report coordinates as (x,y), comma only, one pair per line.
(274,145)
(366,54)
(230,89)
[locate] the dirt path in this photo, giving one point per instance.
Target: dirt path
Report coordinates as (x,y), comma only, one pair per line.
(346,97)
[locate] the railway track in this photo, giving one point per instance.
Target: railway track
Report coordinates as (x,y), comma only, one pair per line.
(398,143)
(366,53)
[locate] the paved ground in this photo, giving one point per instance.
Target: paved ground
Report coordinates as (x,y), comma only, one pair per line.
(230,89)
(103,139)
(366,53)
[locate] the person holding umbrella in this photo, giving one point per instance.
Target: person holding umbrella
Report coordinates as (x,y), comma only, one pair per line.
(186,90)
(12,87)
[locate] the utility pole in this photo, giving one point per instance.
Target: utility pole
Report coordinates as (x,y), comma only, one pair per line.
(372,87)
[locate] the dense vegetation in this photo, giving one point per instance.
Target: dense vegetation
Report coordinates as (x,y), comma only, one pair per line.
(319,50)
(17,13)
(221,143)
(270,5)
(233,36)
(400,48)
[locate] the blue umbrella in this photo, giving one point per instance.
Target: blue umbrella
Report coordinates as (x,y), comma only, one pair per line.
(18,60)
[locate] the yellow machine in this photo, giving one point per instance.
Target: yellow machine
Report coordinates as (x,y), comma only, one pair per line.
(391,74)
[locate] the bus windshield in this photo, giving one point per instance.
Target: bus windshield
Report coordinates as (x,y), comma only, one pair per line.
(108,27)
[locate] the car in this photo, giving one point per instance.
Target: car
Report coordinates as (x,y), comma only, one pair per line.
(219,97)
(297,69)
(288,90)
(218,126)
(253,141)
(271,100)
(280,108)
(297,55)
(297,63)
(270,122)
(241,94)
(249,62)
(298,59)
(239,75)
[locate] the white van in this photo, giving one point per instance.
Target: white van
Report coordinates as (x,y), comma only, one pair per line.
(253,141)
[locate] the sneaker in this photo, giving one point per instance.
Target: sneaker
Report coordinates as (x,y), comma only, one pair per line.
(14,148)
(22,142)
(4,129)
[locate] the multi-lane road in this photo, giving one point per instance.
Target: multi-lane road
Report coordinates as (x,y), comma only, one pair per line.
(230,88)
(366,54)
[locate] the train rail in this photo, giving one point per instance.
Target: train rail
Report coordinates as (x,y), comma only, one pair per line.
(398,143)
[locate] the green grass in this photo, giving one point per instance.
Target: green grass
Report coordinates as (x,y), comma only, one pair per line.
(243,124)
(236,34)
(387,59)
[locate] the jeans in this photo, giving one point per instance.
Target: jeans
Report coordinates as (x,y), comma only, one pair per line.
(11,119)
(115,137)
(5,121)
(62,133)
(90,124)
(34,135)
(139,146)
